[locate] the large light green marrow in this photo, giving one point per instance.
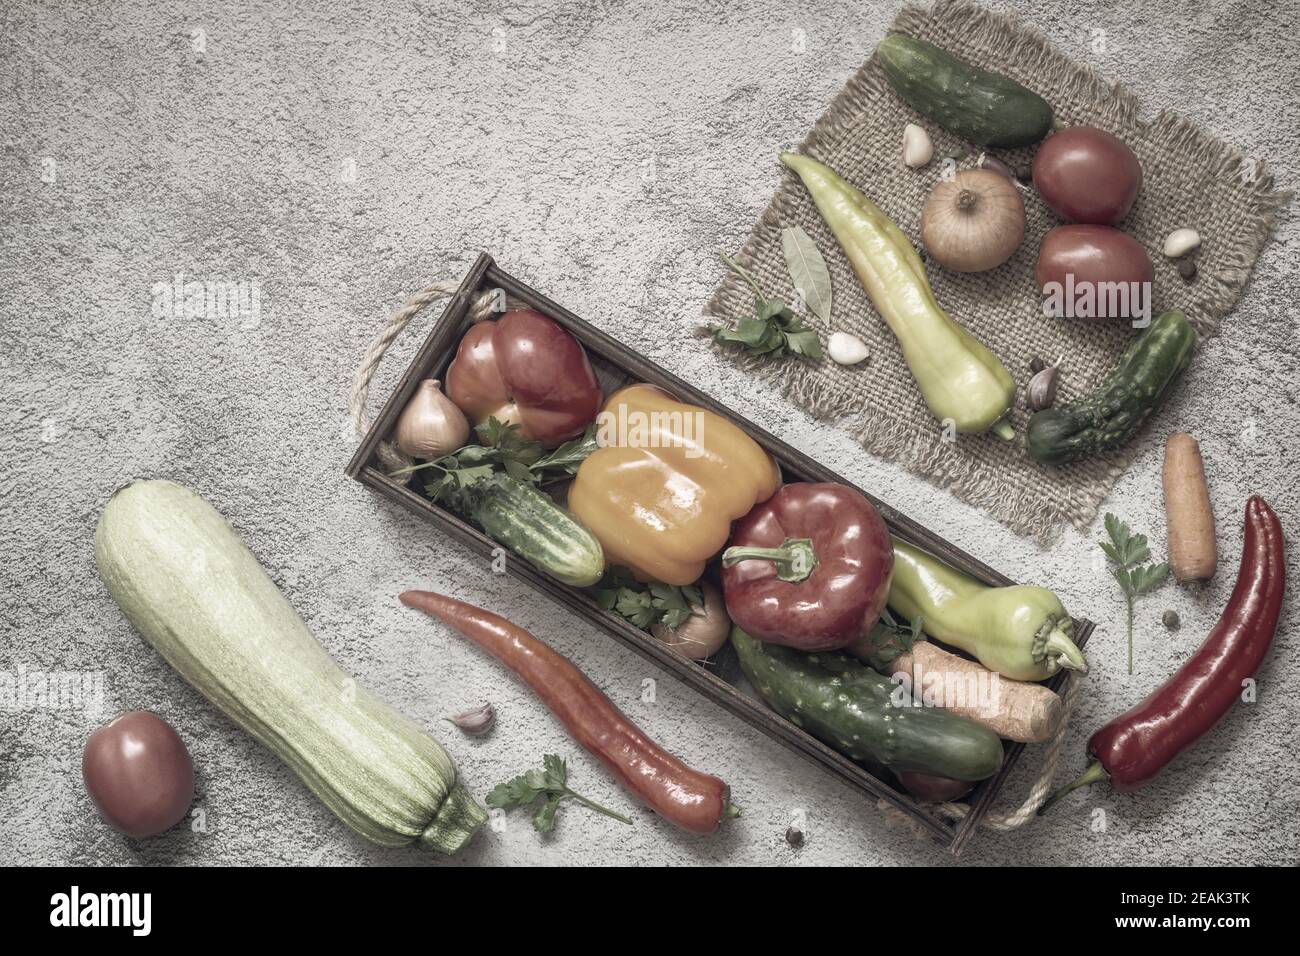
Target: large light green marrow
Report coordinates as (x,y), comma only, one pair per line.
(199,596)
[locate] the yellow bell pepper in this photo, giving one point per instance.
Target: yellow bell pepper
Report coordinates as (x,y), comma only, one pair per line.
(661,491)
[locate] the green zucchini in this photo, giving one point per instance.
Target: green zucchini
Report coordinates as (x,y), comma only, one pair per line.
(1126,398)
(850,707)
(534,527)
(199,596)
(980,106)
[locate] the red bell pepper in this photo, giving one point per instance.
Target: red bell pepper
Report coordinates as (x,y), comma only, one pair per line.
(809,567)
(525,369)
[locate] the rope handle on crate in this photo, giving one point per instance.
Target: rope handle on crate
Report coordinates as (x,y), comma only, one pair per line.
(482,307)
(1038,794)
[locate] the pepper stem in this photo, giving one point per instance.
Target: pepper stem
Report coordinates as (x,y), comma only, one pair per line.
(1062,651)
(794,560)
(1003,429)
(1095,773)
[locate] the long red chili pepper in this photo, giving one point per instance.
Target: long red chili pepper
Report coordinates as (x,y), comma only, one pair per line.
(694,801)
(1131,750)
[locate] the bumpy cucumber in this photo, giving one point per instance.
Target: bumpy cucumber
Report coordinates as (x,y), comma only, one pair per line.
(850,707)
(986,108)
(538,530)
(1126,398)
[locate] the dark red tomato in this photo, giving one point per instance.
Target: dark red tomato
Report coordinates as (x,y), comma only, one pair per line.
(139,774)
(1094,272)
(1087,175)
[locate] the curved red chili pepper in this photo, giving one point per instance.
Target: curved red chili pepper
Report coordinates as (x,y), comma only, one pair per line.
(809,567)
(694,801)
(1131,750)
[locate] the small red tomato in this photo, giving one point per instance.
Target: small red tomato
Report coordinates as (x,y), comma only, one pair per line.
(525,369)
(139,774)
(1087,175)
(1094,272)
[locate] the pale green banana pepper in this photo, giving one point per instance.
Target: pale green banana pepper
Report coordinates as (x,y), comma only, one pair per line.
(961,380)
(1022,632)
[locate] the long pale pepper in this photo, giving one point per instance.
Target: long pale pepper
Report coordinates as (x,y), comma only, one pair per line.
(961,381)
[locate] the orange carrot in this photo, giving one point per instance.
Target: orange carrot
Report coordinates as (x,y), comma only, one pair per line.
(1193,552)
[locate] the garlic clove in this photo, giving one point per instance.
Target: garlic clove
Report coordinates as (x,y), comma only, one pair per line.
(1180,242)
(917,148)
(1040,393)
(430,425)
(476,721)
(845,349)
(986,161)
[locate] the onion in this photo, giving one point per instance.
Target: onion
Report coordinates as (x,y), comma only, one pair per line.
(704,632)
(974,221)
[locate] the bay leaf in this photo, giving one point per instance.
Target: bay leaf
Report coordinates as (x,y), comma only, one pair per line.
(808,270)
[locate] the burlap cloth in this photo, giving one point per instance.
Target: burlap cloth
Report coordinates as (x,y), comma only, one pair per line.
(1189,179)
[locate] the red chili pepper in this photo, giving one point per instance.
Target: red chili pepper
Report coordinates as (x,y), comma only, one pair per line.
(694,801)
(809,567)
(1131,750)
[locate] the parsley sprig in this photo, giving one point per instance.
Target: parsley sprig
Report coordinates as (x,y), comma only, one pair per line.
(774,329)
(1128,553)
(647,604)
(503,448)
(551,785)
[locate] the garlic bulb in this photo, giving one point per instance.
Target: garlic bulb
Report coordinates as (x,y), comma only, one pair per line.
(476,720)
(430,425)
(700,636)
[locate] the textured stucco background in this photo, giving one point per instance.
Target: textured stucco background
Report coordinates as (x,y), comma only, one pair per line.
(338,159)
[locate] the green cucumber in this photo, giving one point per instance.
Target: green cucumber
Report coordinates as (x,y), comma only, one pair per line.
(534,527)
(850,707)
(1126,398)
(983,107)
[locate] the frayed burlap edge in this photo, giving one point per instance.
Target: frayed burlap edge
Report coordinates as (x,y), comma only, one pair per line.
(898,441)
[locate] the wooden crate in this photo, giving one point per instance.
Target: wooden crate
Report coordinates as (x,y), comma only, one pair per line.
(616,365)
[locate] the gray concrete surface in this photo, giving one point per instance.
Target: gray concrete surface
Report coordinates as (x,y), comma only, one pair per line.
(339,159)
